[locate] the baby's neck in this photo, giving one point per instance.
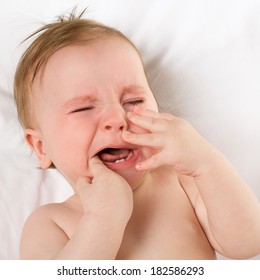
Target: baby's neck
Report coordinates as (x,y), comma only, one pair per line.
(144,183)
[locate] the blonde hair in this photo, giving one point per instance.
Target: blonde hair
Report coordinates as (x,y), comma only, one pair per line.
(67,30)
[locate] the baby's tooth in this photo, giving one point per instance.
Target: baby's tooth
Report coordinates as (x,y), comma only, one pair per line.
(120,160)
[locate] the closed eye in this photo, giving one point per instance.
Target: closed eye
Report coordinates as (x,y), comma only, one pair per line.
(82,109)
(128,105)
(135,102)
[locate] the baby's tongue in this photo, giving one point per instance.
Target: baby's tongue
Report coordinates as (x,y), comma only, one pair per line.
(112,155)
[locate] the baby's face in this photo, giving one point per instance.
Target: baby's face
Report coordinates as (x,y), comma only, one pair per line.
(80,106)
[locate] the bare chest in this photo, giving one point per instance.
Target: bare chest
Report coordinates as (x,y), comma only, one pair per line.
(165,227)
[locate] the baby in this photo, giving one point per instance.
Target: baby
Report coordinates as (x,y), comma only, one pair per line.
(146,184)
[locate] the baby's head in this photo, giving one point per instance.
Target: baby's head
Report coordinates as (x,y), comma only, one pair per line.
(73,87)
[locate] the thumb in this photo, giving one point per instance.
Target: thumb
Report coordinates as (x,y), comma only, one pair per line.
(82,183)
(96,166)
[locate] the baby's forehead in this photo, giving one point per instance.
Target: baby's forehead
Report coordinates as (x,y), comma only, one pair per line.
(100,45)
(76,58)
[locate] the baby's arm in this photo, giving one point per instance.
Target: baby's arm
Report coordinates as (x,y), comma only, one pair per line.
(225,205)
(100,231)
(227,209)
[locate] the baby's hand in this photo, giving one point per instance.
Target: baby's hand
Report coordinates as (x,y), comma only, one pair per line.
(106,195)
(177,143)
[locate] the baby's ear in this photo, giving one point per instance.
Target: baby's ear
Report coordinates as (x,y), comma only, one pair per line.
(34,140)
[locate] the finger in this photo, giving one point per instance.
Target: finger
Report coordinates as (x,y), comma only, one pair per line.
(152,114)
(96,166)
(150,163)
(146,112)
(167,116)
(82,183)
(147,140)
(83,180)
(153,123)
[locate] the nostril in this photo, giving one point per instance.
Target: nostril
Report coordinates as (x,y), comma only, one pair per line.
(114,123)
(108,127)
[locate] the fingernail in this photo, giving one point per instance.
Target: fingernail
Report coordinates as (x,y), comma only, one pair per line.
(138,166)
(130,115)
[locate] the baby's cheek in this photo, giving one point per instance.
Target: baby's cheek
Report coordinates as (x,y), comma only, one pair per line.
(148,152)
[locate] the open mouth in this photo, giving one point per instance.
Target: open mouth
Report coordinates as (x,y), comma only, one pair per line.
(111,156)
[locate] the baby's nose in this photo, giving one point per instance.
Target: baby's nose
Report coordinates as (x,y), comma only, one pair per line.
(115,120)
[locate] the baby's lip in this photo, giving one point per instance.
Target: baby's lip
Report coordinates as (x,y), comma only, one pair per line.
(116,157)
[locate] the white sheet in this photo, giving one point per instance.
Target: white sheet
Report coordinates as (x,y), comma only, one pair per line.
(203,62)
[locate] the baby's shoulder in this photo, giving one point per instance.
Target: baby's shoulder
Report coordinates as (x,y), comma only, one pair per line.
(46,211)
(53,212)
(43,230)
(46,228)
(42,217)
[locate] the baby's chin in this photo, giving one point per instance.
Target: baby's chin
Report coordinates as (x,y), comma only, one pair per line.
(133,177)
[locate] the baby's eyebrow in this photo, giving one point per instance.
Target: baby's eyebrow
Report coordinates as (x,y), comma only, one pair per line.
(134,88)
(77,101)
(72,103)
